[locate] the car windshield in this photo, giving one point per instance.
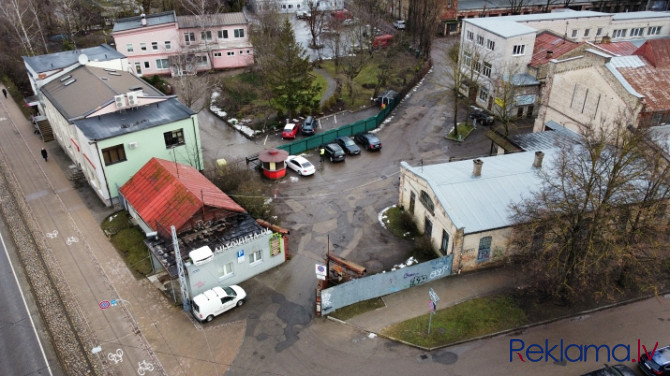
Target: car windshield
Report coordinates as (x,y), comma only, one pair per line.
(662,356)
(347,142)
(288,127)
(305,164)
(229,291)
(373,139)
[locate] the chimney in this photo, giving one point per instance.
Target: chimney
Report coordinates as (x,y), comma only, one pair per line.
(550,53)
(537,163)
(144,20)
(606,39)
(477,167)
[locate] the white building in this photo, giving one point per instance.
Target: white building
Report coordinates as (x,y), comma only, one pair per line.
(293,6)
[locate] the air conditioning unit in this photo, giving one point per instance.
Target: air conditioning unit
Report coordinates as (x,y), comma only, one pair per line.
(120,101)
(132,145)
(133,99)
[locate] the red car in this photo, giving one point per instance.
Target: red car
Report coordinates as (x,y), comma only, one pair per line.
(290,130)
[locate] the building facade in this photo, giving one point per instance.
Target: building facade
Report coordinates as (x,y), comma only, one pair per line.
(163,43)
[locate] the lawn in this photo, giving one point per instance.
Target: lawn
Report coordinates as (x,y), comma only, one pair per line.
(464,130)
(129,242)
(345,313)
(469,319)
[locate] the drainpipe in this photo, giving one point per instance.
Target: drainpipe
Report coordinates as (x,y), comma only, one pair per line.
(197,149)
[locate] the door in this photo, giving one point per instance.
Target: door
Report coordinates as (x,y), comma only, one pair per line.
(428,228)
(138,68)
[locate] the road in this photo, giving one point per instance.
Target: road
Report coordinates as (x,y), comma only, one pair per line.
(21,348)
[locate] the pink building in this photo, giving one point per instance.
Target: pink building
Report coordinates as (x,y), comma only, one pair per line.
(163,43)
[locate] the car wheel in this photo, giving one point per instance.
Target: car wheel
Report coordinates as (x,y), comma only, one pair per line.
(209,318)
(300,172)
(331,159)
(240,303)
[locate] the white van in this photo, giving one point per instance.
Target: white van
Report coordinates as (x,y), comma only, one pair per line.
(217,301)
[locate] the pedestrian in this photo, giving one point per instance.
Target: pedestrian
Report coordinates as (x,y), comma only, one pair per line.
(45,155)
(4,92)
(322,152)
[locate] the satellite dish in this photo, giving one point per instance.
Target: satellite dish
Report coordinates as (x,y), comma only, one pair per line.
(83,59)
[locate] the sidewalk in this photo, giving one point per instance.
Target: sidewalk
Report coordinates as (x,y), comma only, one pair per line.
(452,290)
(142,328)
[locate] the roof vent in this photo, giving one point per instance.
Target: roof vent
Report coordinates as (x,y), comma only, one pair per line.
(477,167)
(68,83)
(550,53)
(537,163)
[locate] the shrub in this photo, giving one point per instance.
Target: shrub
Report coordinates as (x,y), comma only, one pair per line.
(424,249)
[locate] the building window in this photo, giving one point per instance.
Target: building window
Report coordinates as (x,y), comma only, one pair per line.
(154,46)
(168,45)
(223,34)
(143,46)
(487,70)
(467,59)
(201,60)
(174,138)
(483,94)
(477,66)
(206,35)
(115,154)
(574,33)
(427,227)
(226,270)
(491,45)
(146,65)
(239,33)
(217,54)
(636,31)
(230,53)
(162,64)
(412,200)
(519,49)
(619,33)
(599,32)
(480,40)
(654,30)
(427,202)
(445,243)
(129,47)
(189,38)
(138,68)
(470,35)
(587,32)
(254,257)
(484,249)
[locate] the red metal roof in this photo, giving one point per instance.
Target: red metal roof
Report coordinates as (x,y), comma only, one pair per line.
(169,194)
(624,48)
(546,41)
(656,51)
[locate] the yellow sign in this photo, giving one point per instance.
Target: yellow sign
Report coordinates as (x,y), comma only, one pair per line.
(500,102)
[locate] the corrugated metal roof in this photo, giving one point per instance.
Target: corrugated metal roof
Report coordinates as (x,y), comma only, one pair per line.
(210,20)
(63,59)
(547,41)
(627,62)
(540,141)
(168,194)
(154,19)
(482,203)
(623,48)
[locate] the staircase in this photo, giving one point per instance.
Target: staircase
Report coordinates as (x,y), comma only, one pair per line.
(44,129)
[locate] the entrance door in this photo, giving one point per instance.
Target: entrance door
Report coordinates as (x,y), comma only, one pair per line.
(519,112)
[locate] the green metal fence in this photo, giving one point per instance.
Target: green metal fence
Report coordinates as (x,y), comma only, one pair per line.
(313,142)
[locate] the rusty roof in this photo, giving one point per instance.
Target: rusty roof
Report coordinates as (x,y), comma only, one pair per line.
(656,51)
(623,48)
(168,194)
(547,41)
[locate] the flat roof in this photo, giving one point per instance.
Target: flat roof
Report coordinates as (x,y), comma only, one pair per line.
(154,19)
(63,59)
(501,26)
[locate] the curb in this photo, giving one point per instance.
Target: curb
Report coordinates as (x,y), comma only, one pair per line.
(507,331)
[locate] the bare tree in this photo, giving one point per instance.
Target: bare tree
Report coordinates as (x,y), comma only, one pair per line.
(597,224)
(422,21)
(516,6)
(16,16)
(316,20)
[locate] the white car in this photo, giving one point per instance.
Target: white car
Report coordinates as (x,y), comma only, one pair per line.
(399,24)
(217,301)
(300,164)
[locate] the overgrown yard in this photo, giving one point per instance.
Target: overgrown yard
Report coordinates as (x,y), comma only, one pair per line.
(129,242)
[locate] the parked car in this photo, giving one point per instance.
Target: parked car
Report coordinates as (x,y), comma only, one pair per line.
(615,370)
(369,141)
(216,301)
(334,152)
(481,116)
(399,24)
(348,145)
(290,130)
(658,365)
(382,41)
(300,164)
(308,126)
(303,15)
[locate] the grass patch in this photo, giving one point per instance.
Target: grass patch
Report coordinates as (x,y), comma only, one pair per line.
(345,313)
(400,223)
(469,319)
(464,130)
(128,241)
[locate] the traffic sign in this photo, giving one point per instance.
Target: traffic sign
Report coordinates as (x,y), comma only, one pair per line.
(113,302)
(433,296)
(104,304)
(320,270)
(433,306)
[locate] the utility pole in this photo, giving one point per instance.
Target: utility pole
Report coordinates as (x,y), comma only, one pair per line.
(185,299)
